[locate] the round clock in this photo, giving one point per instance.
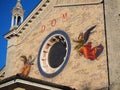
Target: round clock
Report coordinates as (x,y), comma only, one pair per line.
(54,53)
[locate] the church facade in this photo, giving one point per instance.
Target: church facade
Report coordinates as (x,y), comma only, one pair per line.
(62,45)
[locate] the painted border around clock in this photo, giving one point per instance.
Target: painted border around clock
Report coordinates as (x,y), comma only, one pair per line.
(66,60)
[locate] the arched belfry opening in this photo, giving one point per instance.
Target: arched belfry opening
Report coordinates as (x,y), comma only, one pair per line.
(17,15)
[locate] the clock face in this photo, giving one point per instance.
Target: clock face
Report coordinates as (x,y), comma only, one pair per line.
(54,53)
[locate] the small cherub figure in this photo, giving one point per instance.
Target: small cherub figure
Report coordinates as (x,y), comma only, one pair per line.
(27,64)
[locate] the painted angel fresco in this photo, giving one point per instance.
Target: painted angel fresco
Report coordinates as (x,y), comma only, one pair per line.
(27,64)
(85,48)
(90,52)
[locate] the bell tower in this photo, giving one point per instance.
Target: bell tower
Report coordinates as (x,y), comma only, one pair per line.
(17,15)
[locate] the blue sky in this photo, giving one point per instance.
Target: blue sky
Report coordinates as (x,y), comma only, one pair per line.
(5,22)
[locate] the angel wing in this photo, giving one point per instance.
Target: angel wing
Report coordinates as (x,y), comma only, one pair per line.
(24,57)
(31,62)
(87,33)
(99,50)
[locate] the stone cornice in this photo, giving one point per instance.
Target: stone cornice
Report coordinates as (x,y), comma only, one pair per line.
(27,21)
(81,3)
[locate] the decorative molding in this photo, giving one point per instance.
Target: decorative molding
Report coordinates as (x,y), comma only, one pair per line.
(22,82)
(48,70)
(79,4)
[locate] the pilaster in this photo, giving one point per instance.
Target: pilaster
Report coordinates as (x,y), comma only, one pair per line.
(112,16)
(10,59)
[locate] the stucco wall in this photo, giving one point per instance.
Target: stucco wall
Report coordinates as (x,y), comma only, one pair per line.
(80,72)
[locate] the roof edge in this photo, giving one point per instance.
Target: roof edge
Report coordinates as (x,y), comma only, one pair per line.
(18,78)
